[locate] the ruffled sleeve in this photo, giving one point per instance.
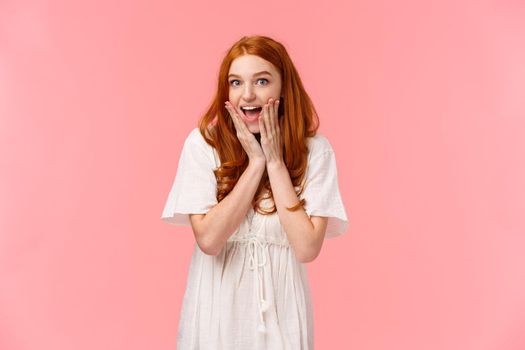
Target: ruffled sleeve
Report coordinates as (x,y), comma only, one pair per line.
(321,191)
(194,188)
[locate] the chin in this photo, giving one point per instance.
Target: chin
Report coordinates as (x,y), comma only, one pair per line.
(254,129)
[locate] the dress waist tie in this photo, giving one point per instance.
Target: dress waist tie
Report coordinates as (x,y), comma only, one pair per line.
(256,248)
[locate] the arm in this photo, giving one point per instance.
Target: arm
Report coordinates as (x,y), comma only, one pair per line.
(212,230)
(305,234)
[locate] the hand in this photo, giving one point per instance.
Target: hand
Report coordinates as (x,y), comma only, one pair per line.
(271,139)
(246,138)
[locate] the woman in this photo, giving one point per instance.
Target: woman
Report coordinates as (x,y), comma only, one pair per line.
(258,185)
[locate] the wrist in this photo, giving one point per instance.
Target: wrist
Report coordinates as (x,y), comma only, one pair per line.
(258,164)
(275,165)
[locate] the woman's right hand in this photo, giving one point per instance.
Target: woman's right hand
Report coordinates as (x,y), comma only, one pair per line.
(246,138)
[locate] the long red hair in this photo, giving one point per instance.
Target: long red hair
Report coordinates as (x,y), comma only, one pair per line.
(300,121)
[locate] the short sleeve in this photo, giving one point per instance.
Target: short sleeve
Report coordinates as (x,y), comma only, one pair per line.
(322,195)
(194,188)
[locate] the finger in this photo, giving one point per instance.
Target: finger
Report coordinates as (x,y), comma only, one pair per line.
(262,125)
(267,125)
(230,112)
(276,116)
(271,125)
(262,131)
(239,113)
(235,118)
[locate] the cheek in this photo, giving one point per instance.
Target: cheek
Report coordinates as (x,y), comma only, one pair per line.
(275,92)
(232,95)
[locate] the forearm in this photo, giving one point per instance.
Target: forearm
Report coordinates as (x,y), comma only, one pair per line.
(226,216)
(297,224)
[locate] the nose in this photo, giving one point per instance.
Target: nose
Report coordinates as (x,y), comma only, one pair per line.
(248,93)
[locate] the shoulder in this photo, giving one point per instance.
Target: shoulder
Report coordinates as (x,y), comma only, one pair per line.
(195,139)
(317,145)
(195,142)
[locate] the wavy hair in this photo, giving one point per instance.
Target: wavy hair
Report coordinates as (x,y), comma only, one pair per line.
(300,121)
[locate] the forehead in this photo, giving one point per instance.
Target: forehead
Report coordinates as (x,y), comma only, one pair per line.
(249,64)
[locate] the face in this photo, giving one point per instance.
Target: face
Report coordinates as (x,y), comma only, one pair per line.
(252,81)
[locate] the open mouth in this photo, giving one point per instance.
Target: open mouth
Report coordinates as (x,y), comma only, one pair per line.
(251,112)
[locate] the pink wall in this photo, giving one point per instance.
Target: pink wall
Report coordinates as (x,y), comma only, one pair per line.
(422,101)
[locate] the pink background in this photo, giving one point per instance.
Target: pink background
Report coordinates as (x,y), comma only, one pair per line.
(422,102)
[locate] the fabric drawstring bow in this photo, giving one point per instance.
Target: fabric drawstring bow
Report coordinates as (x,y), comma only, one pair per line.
(256,249)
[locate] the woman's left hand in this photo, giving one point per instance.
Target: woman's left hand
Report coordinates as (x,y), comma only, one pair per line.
(271,139)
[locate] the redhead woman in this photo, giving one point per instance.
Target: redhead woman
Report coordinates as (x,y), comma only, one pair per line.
(258,185)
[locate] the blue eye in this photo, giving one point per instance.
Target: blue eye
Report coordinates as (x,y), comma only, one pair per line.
(261,81)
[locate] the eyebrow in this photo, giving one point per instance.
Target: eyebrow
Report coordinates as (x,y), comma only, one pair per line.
(256,74)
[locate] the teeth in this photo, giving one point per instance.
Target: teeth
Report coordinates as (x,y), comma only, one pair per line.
(249,108)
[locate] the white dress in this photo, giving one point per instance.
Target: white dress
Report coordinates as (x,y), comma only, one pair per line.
(254,294)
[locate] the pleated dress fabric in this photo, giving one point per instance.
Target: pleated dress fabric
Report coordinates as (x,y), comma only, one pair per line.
(254,294)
